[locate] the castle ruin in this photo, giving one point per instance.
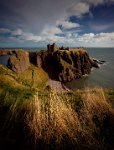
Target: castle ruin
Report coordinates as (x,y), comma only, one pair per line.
(54,47)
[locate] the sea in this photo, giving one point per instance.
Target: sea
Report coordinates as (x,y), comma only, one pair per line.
(99,77)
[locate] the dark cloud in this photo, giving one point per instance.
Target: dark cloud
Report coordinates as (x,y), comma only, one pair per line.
(33,14)
(47,20)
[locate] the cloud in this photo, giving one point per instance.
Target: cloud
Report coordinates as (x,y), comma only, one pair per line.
(67,24)
(78,9)
(101,27)
(32,15)
(4,30)
(96,2)
(49,21)
(70,38)
(20,35)
(35,15)
(82,7)
(96,38)
(48,35)
(26,36)
(86,37)
(17,32)
(51,31)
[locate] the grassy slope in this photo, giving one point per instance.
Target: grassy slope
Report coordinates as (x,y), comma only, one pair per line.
(33,77)
(30,118)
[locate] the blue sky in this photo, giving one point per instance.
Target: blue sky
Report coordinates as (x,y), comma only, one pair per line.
(74,23)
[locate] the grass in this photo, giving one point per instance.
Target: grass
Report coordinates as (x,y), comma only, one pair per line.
(31,118)
(50,122)
(33,77)
(76,120)
(110,96)
(74,50)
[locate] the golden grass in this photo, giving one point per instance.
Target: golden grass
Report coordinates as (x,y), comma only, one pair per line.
(52,120)
(79,51)
(95,99)
(55,119)
(95,103)
(34,77)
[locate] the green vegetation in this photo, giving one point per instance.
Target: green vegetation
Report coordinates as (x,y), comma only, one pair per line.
(31,118)
(110,95)
(31,78)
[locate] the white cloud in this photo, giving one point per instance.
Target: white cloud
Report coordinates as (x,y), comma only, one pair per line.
(79,9)
(71,39)
(96,38)
(25,36)
(86,37)
(17,32)
(67,24)
(51,31)
(34,15)
(31,37)
(4,30)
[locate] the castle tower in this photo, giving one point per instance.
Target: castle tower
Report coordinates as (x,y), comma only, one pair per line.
(52,48)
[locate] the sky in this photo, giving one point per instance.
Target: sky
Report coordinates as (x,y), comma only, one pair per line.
(73,23)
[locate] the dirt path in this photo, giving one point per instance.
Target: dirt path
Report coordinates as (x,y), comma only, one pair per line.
(57,86)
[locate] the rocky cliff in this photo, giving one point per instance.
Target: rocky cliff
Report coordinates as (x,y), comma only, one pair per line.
(6,52)
(71,64)
(62,65)
(19,61)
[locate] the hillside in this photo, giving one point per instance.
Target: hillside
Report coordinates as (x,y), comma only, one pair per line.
(34,116)
(31,117)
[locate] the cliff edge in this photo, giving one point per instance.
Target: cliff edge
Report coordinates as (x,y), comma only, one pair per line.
(62,64)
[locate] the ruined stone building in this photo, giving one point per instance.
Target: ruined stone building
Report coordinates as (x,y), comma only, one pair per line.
(54,47)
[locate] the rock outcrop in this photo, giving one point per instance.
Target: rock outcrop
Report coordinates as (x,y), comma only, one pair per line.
(19,62)
(6,52)
(97,63)
(60,64)
(38,58)
(71,64)
(63,65)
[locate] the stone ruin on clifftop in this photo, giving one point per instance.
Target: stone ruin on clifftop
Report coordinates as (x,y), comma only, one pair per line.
(54,47)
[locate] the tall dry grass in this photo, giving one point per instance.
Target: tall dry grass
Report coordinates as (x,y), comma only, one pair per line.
(97,118)
(54,119)
(95,104)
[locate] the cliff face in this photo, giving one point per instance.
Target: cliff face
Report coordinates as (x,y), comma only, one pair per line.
(6,52)
(62,65)
(71,64)
(19,62)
